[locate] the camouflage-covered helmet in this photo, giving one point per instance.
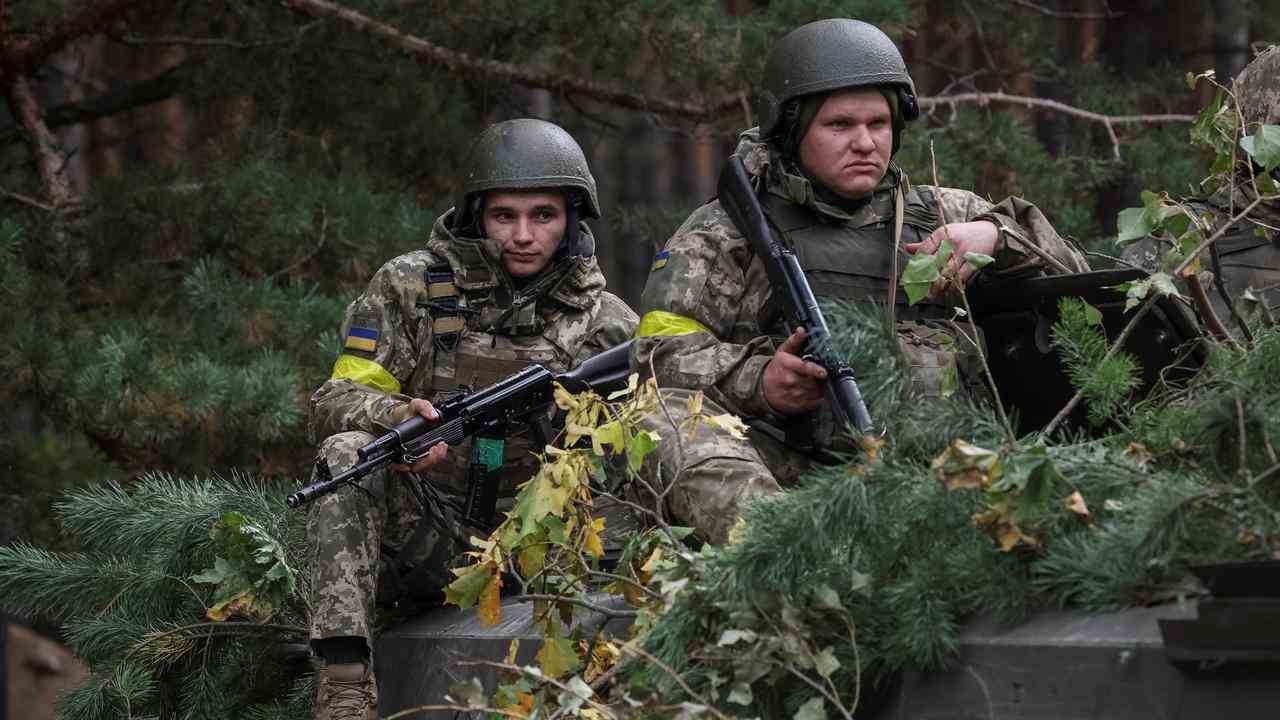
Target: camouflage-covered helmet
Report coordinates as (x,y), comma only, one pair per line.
(1257,90)
(527,154)
(828,55)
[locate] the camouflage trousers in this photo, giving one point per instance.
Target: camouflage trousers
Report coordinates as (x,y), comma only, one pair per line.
(707,478)
(349,531)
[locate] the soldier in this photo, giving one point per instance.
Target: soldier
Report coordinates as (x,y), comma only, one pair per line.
(1248,253)
(508,278)
(836,98)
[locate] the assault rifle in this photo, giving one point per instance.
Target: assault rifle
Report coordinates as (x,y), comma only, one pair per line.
(799,306)
(486,413)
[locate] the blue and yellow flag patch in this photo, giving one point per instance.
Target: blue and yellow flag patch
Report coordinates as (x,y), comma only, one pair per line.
(359,338)
(660,260)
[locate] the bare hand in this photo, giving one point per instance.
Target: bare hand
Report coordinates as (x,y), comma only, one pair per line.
(792,385)
(436,454)
(979,236)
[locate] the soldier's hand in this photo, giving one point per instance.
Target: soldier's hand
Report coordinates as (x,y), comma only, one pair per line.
(792,385)
(979,236)
(436,454)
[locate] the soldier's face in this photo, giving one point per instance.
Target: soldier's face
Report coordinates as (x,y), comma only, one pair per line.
(527,225)
(847,146)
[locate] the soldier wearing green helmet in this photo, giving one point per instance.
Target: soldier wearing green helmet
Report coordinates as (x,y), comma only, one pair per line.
(835,100)
(508,278)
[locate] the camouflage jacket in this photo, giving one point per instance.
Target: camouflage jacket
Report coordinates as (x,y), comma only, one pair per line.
(392,351)
(708,274)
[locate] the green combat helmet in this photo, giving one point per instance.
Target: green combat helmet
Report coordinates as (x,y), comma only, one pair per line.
(526,154)
(828,55)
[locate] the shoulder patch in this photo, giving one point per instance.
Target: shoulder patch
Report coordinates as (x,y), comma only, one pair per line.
(364,339)
(660,260)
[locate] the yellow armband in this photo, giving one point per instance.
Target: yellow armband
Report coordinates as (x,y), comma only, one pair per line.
(364,372)
(661,322)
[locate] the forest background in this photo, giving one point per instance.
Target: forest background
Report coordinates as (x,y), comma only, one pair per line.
(191,192)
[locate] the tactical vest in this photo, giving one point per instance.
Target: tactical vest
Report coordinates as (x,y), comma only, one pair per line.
(483,331)
(853,263)
(1248,260)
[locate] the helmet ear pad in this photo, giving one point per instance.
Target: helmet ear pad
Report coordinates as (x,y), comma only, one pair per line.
(908,108)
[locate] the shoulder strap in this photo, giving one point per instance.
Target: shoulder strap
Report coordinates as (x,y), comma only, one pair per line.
(442,306)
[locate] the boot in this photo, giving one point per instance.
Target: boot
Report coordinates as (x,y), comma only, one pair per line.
(346,691)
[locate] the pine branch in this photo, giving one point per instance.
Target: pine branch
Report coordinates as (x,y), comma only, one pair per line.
(1108,121)
(135,95)
(1141,312)
(465,64)
(35,581)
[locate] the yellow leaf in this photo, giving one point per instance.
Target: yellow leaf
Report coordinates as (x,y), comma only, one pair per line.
(239,605)
(651,564)
(490,605)
(632,381)
(1075,503)
(604,655)
(872,445)
(1138,453)
(611,434)
(965,466)
(591,538)
(1002,528)
(532,558)
(557,657)
(695,404)
(573,431)
(565,400)
(512,650)
(738,530)
(728,422)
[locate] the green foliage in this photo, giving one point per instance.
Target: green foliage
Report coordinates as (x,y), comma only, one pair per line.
(250,571)
(1263,146)
(883,564)
(132,610)
(1104,382)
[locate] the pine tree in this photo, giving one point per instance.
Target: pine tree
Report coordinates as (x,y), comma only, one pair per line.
(158,563)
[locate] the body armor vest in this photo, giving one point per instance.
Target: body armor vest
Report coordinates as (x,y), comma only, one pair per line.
(483,331)
(852,263)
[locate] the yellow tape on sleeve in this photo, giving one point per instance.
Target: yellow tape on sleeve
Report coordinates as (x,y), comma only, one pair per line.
(365,372)
(661,323)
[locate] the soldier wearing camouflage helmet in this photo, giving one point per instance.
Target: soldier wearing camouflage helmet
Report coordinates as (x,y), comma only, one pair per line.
(836,98)
(508,278)
(1246,258)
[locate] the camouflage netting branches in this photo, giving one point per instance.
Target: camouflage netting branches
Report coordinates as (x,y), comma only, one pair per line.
(872,567)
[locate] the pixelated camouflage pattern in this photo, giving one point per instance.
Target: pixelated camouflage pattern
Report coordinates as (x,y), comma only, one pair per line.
(578,319)
(346,529)
(710,477)
(712,276)
(1257,89)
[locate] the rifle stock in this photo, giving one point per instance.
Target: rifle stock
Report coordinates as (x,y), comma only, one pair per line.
(800,307)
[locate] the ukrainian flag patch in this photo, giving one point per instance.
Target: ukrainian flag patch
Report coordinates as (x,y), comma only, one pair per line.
(660,260)
(359,338)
